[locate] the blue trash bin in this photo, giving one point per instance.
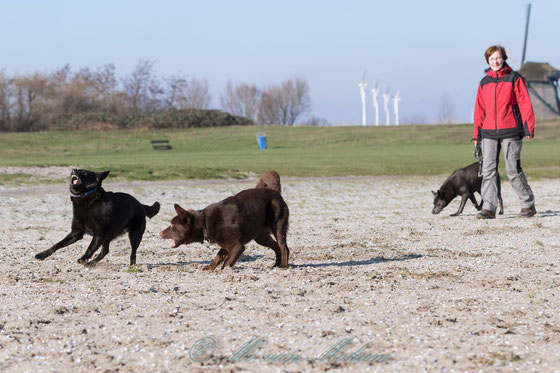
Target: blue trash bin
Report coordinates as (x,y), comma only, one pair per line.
(261,140)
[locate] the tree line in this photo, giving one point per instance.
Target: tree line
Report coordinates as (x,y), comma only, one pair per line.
(42,101)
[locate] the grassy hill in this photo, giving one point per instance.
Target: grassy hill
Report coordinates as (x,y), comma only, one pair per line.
(292,151)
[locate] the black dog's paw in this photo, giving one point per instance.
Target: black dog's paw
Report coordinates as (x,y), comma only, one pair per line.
(455,214)
(42,255)
(82,260)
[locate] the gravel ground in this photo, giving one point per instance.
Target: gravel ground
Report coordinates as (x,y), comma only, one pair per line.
(376,283)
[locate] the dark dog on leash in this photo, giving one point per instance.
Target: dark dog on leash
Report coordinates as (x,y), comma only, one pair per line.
(103,215)
(254,214)
(462,182)
(270,179)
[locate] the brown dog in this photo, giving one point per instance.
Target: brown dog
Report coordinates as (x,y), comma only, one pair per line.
(270,179)
(252,214)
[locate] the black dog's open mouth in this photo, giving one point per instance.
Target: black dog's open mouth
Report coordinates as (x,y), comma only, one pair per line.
(75,180)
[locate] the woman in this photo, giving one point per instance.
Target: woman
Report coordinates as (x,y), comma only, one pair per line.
(503,115)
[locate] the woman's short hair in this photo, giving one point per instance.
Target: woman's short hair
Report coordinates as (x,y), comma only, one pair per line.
(490,51)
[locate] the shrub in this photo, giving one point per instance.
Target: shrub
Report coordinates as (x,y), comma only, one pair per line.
(187,118)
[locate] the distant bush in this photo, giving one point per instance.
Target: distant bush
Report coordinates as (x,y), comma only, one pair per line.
(188,118)
(85,120)
(185,118)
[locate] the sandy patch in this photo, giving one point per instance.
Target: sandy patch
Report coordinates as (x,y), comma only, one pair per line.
(374,276)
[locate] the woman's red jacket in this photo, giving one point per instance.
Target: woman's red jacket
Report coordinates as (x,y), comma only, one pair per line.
(503,107)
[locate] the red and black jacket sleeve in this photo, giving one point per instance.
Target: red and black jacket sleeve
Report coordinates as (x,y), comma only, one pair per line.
(525,107)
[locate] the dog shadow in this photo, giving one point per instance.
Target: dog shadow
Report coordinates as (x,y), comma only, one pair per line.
(352,263)
(252,258)
(243,259)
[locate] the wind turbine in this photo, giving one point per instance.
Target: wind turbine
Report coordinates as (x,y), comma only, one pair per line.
(375,92)
(386,97)
(363,86)
(396,100)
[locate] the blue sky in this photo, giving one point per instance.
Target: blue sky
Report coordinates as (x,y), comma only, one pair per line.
(427,49)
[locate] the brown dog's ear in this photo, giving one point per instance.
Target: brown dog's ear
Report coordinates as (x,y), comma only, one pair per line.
(180,211)
(101,175)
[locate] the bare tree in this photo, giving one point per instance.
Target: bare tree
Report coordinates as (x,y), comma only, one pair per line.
(446,110)
(111,99)
(58,82)
(181,93)
(241,99)
(175,91)
(29,106)
(142,88)
(196,95)
(101,88)
(270,107)
(4,102)
(80,94)
(30,102)
(83,91)
(105,80)
(283,104)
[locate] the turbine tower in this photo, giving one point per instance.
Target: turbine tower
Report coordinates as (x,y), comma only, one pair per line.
(396,100)
(363,86)
(375,92)
(386,97)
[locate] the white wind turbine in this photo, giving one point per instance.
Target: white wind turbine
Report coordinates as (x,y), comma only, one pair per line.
(396,100)
(375,92)
(363,86)
(386,97)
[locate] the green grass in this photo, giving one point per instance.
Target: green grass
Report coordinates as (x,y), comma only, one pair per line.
(293,151)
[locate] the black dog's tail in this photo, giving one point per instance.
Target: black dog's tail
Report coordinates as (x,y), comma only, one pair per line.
(152,210)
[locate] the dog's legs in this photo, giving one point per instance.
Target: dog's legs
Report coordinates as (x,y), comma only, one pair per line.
(101,255)
(279,228)
(478,205)
(461,206)
(281,237)
(281,234)
(92,248)
(72,237)
(135,237)
(217,260)
(266,240)
(501,210)
(239,253)
(234,255)
(473,200)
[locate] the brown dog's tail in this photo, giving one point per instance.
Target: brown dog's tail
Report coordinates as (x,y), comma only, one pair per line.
(152,210)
